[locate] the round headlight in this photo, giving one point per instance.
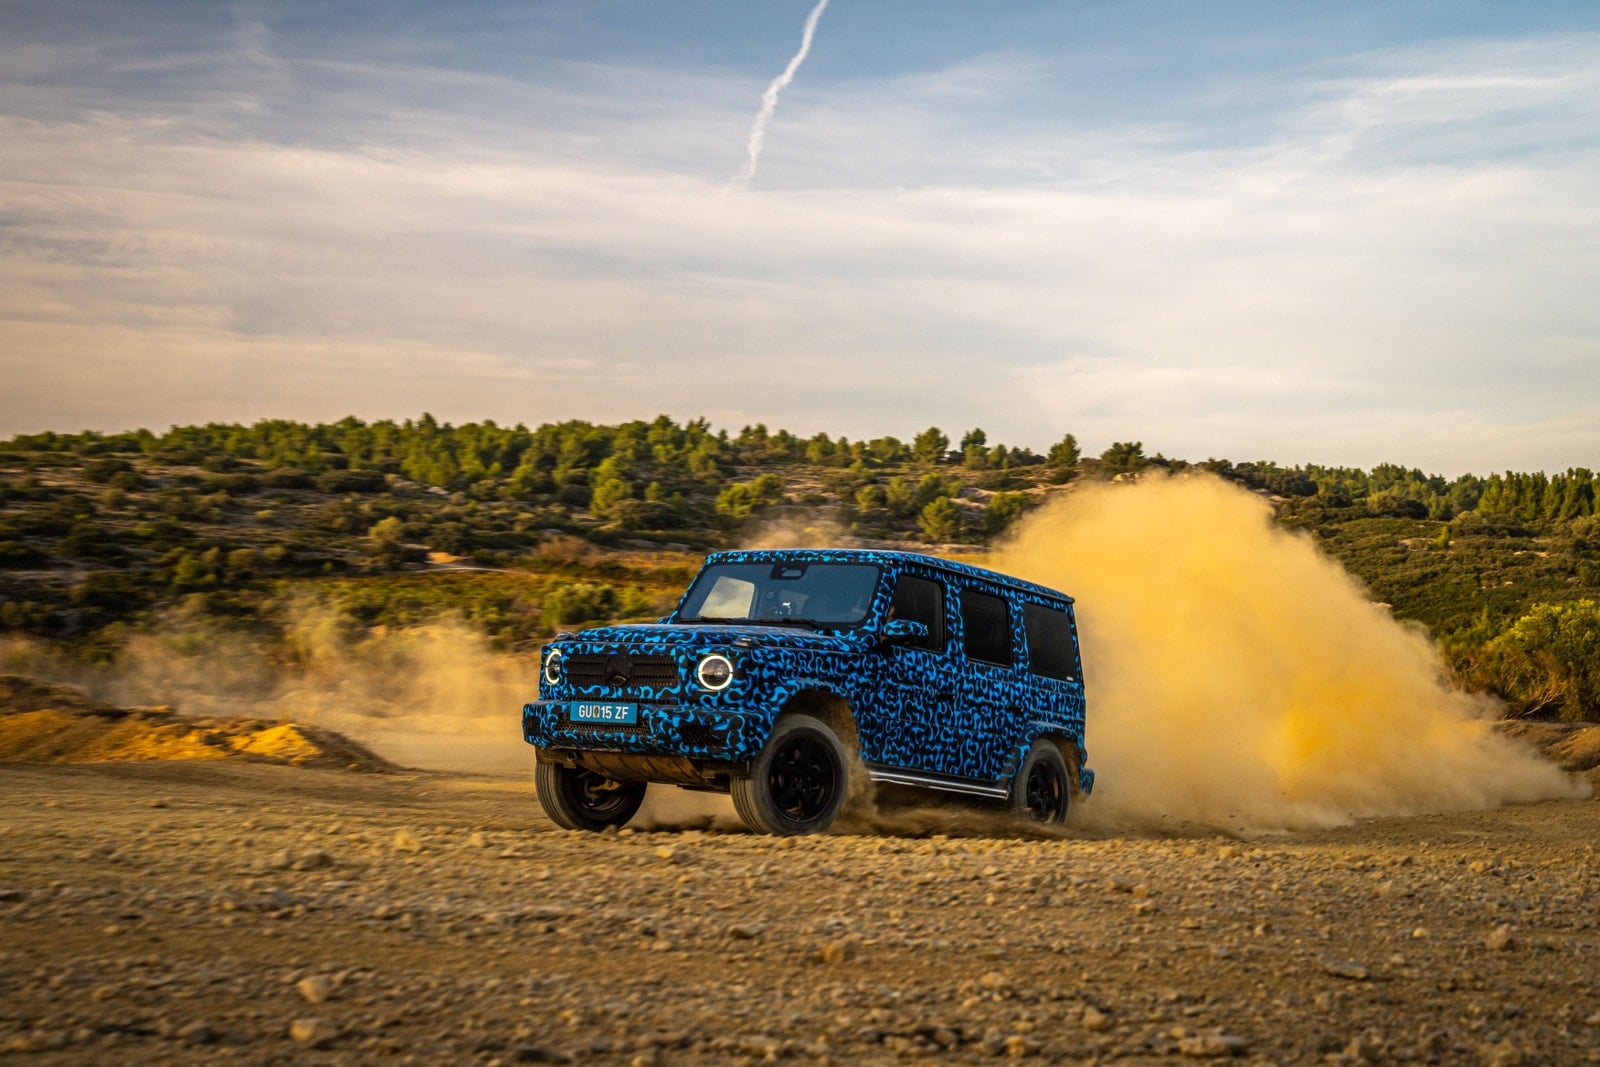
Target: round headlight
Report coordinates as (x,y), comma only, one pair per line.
(552,667)
(714,672)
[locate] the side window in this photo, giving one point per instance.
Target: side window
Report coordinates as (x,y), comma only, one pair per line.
(985,628)
(921,600)
(1050,651)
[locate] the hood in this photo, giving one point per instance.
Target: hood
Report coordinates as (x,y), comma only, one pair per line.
(702,635)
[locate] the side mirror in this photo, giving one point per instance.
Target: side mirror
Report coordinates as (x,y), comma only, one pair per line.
(904,632)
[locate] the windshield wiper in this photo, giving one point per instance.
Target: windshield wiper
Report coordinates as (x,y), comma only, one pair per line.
(780,620)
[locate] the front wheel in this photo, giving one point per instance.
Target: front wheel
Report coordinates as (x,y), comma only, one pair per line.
(1041,793)
(583,800)
(798,781)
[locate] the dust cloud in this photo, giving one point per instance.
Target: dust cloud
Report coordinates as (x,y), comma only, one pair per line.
(668,807)
(790,532)
(436,696)
(1238,679)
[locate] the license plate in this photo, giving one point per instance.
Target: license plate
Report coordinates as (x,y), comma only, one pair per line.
(594,711)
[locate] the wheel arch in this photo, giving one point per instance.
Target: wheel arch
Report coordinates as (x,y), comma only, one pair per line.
(829,706)
(1071,750)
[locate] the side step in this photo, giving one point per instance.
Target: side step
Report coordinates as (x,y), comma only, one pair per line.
(947,783)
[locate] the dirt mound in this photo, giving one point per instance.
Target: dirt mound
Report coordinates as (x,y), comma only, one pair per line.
(45,723)
(1574,747)
(29,694)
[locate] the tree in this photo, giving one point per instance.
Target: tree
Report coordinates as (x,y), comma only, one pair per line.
(611,486)
(940,520)
(932,487)
(1123,457)
(387,531)
(744,499)
(930,445)
(386,539)
(1003,510)
(900,497)
(886,450)
(1562,643)
(736,502)
(1064,453)
(768,489)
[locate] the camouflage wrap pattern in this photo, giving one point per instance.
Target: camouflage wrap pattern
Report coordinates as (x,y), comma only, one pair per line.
(930,713)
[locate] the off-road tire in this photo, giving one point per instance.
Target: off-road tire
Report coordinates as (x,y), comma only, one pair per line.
(798,782)
(1041,792)
(577,799)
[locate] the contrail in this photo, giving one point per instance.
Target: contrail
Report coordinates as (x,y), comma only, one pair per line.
(769,99)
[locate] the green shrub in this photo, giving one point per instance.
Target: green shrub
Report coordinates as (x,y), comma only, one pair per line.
(941,520)
(358,481)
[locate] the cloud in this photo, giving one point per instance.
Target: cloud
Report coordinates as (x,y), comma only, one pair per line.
(1358,274)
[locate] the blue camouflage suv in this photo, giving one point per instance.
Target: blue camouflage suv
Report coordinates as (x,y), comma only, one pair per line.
(791,678)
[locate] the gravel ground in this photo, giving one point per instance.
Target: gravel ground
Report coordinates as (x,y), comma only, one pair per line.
(217,912)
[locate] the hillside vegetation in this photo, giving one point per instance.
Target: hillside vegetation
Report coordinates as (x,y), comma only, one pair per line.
(522,532)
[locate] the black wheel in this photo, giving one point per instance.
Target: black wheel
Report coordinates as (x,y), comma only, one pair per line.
(797,783)
(583,800)
(1042,791)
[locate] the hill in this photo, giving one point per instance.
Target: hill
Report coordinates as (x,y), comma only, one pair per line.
(522,532)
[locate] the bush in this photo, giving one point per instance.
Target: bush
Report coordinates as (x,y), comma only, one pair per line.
(129,481)
(1563,642)
(16,555)
(119,593)
(1003,510)
(580,602)
(940,520)
(746,498)
(1548,661)
(101,471)
(233,484)
(337,481)
(288,478)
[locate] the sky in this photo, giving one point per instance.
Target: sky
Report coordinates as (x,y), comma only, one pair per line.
(1305,232)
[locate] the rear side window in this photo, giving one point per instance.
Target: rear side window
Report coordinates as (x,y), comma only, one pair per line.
(985,628)
(921,600)
(1050,650)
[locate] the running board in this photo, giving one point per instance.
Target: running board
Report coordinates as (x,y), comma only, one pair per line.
(946,783)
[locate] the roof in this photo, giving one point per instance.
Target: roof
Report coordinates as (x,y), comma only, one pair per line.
(881,556)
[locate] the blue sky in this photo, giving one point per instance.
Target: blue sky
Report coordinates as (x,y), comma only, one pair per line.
(1304,232)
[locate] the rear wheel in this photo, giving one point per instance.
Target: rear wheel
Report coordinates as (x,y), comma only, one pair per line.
(798,781)
(583,800)
(1041,793)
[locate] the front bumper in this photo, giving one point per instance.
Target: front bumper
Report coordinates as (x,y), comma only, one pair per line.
(662,730)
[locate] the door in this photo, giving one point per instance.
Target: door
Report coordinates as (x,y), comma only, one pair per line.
(919,682)
(986,712)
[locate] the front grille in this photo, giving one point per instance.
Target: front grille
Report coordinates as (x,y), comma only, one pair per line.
(622,670)
(607,729)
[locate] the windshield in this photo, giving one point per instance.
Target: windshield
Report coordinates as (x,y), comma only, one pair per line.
(819,594)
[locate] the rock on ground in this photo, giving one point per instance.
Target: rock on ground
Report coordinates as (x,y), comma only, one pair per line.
(267,914)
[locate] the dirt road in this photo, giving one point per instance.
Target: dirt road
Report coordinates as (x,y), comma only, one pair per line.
(226,912)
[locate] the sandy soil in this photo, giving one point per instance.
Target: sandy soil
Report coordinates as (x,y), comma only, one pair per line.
(221,911)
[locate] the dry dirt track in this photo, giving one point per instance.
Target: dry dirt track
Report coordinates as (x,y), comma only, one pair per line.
(225,912)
